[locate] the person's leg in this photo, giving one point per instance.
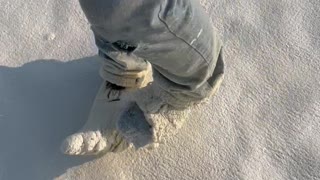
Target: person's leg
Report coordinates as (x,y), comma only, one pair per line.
(186,55)
(121,72)
(176,37)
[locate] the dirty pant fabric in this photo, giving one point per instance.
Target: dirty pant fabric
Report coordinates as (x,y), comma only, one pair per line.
(175,36)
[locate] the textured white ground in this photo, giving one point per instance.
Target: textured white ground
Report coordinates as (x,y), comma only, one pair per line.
(264,123)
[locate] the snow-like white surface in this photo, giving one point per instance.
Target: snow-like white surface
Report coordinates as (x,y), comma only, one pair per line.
(264,123)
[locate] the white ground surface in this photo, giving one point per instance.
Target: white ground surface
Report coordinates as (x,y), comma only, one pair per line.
(264,123)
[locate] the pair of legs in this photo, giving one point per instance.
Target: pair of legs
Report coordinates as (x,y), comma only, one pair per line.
(175,37)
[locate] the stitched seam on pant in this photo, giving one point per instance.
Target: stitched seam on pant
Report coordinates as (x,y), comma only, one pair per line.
(168,28)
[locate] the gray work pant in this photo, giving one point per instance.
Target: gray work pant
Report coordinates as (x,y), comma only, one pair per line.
(175,36)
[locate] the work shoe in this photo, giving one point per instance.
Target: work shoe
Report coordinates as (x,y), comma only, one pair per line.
(99,134)
(154,115)
(149,120)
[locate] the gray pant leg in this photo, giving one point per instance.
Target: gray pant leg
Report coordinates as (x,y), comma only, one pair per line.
(119,67)
(175,36)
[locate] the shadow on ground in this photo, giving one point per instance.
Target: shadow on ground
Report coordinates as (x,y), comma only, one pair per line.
(41,103)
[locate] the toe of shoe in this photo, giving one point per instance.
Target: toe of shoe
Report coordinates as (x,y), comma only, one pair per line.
(72,145)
